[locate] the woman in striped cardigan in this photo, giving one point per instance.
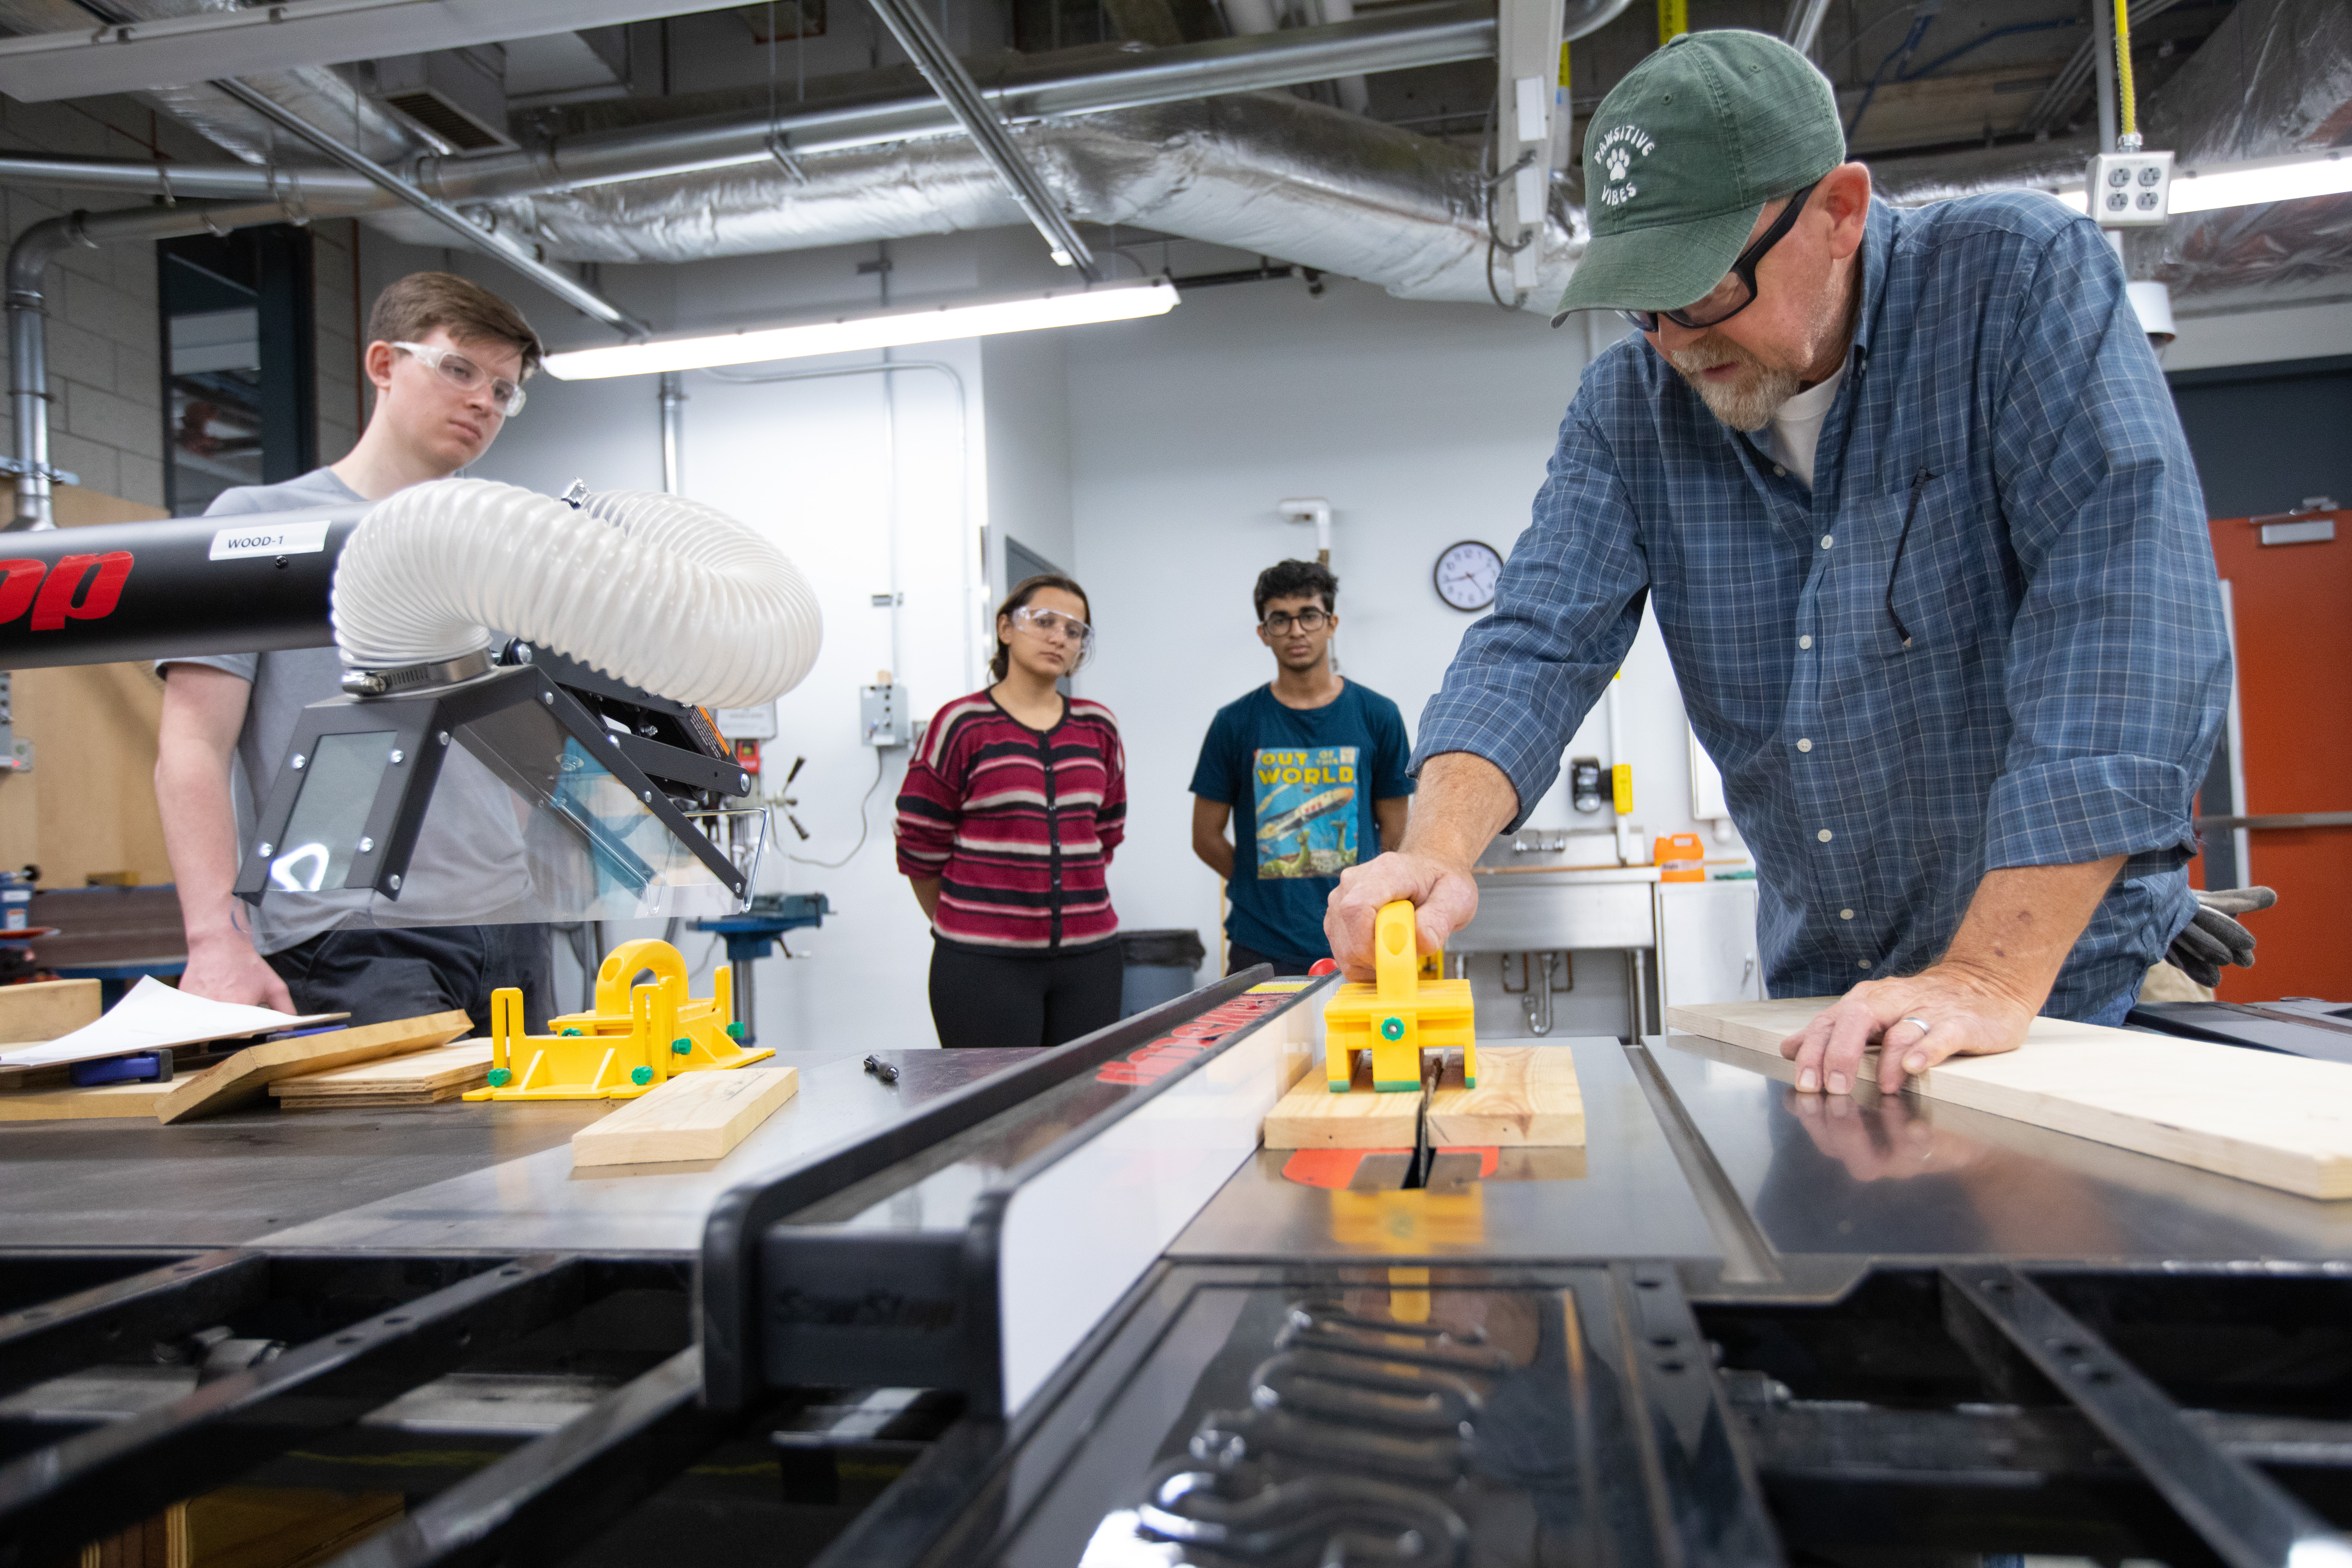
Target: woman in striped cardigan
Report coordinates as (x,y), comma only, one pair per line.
(1006,823)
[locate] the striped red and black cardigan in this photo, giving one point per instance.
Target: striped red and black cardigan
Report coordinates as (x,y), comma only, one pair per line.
(1017,825)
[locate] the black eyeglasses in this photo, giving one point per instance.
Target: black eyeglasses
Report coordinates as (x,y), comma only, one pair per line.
(1309,621)
(1737,290)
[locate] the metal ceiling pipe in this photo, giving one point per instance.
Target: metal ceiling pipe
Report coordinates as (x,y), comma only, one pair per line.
(1805,24)
(978,118)
(28,358)
(571,291)
(180,182)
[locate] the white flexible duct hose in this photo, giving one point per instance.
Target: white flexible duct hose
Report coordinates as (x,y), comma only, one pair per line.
(657,591)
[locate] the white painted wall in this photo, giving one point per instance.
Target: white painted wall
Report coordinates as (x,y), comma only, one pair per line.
(865,504)
(2291,331)
(1424,424)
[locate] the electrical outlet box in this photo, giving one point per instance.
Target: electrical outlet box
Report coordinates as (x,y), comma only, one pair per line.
(2130,190)
(887,713)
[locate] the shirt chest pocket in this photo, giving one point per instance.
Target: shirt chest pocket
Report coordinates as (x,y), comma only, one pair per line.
(1939,584)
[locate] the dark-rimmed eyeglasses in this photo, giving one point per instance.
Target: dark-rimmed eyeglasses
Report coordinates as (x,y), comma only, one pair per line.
(465,376)
(1737,290)
(1306,620)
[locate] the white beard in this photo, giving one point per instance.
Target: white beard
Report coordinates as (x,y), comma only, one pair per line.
(1749,401)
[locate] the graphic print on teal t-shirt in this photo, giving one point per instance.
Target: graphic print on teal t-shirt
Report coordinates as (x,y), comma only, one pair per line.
(1306,812)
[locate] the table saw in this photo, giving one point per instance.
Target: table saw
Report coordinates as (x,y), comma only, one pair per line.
(1059,1307)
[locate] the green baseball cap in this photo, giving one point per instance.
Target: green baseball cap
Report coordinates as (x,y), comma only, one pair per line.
(1681,157)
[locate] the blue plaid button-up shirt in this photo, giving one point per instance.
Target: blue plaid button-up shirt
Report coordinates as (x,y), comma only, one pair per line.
(2065,669)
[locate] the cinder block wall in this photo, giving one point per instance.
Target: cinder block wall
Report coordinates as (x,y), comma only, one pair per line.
(106,371)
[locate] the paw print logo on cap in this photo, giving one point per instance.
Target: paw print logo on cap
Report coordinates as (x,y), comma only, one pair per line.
(1617,152)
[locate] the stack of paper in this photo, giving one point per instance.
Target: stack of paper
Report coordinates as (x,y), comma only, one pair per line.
(153,1016)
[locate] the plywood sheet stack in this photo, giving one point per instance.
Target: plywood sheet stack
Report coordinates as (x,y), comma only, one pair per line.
(421,1077)
(248,1075)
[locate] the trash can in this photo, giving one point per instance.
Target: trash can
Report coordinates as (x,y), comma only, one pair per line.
(1159,967)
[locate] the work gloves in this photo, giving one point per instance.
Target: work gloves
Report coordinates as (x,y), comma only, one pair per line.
(2214,939)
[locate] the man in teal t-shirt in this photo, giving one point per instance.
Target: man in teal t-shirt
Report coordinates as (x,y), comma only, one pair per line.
(1311,766)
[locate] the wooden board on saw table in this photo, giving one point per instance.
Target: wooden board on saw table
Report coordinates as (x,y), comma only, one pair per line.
(420,1078)
(1311,1117)
(46,1009)
(83,1104)
(2281,1121)
(246,1075)
(694,1116)
(1526,1097)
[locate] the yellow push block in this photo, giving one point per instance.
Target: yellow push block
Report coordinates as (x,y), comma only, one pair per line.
(707,1030)
(1406,1011)
(635,1037)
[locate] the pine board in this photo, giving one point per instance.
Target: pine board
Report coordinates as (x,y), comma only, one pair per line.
(1311,1117)
(1526,1098)
(697,1116)
(455,1067)
(246,1075)
(46,1009)
(2281,1121)
(84,1104)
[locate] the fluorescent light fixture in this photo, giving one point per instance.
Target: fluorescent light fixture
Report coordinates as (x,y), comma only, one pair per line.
(876,329)
(2247,184)
(2260,180)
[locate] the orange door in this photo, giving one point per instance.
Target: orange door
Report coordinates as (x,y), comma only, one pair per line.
(2290,582)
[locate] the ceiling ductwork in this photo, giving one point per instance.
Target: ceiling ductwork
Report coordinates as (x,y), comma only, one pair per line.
(2275,77)
(1265,173)
(319,94)
(1183,141)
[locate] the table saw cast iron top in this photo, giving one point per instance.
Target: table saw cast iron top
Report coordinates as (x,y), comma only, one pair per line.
(1740,1326)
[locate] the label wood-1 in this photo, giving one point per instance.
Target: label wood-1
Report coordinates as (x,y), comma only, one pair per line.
(269,538)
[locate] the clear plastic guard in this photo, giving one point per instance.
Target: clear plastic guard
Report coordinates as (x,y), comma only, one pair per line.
(525,825)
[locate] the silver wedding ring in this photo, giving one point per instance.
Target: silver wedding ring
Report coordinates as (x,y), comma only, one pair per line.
(1919,1023)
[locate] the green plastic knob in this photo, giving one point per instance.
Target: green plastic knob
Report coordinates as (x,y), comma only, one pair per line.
(567,1031)
(734,1031)
(681,1046)
(1392,1029)
(500,1077)
(641,1076)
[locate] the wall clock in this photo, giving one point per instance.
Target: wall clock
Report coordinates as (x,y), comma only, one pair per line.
(1466,575)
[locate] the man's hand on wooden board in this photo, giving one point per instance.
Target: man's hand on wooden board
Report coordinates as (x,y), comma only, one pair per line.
(1966,1013)
(1976,1000)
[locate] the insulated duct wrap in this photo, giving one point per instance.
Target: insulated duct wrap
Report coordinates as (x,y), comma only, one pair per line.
(660,592)
(2275,77)
(1266,172)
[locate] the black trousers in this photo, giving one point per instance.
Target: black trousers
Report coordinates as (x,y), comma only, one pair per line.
(378,975)
(1001,999)
(1238,958)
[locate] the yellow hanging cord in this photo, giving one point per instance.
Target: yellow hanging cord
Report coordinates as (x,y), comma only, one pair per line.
(2125,101)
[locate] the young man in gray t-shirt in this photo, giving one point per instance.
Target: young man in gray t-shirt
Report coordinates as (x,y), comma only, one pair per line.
(448,359)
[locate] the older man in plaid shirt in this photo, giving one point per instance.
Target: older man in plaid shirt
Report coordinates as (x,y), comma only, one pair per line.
(1909,499)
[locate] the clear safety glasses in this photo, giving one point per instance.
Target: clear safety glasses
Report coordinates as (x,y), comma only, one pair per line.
(1048,622)
(466,376)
